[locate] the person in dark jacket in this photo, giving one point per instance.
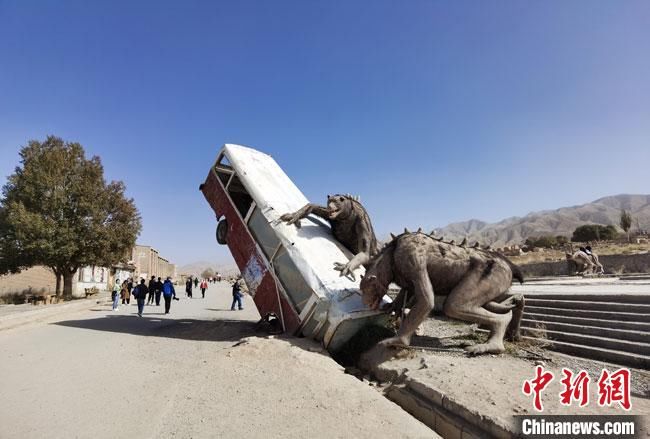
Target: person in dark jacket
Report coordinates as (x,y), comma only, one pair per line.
(236,296)
(188,287)
(159,286)
(196,282)
(140,293)
(168,293)
(152,289)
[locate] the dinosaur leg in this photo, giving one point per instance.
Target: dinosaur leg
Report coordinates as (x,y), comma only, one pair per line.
(499,308)
(465,302)
(423,292)
(295,217)
(347,269)
(513,332)
(514,303)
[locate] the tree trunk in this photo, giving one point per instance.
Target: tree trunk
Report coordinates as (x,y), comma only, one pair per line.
(59,278)
(68,277)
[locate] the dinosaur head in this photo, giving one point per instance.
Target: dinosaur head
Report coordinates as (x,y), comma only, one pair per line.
(372,291)
(339,206)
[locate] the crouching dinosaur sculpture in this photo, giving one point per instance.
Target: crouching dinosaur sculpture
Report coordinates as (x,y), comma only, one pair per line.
(585,263)
(474,280)
(350,224)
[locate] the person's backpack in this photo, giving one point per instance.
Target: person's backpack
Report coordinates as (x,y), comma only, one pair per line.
(167,289)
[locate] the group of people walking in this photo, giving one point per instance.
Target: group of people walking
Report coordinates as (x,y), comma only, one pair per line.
(141,292)
(156,289)
(195,281)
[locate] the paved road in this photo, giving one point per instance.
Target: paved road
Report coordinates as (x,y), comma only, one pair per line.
(99,373)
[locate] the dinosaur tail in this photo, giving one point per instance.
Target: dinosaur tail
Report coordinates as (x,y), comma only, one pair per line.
(516,271)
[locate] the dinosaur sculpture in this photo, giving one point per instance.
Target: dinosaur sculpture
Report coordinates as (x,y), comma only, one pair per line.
(585,263)
(350,224)
(475,282)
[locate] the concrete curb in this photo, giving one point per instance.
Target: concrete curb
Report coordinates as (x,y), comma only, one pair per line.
(45,312)
(438,411)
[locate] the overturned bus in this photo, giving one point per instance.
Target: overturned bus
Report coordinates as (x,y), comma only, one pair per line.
(288,270)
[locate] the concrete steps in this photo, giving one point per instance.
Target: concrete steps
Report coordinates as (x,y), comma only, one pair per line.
(606,327)
(601,323)
(596,331)
(607,355)
(642,299)
(604,315)
(593,341)
(634,308)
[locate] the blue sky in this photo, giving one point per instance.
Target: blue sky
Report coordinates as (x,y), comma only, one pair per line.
(432,111)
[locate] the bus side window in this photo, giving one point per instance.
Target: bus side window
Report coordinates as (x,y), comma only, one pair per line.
(223,169)
(239,196)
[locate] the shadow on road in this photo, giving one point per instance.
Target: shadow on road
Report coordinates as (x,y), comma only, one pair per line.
(151,326)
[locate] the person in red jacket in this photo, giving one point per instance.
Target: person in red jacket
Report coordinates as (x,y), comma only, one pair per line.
(204,286)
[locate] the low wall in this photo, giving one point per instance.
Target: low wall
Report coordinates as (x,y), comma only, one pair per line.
(33,280)
(613,264)
(36,280)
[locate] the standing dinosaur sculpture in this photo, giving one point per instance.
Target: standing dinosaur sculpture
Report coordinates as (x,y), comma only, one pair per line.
(475,282)
(350,224)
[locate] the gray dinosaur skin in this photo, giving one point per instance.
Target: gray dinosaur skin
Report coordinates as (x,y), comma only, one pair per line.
(475,282)
(350,224)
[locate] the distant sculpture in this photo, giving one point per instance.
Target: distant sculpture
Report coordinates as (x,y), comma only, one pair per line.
(350,224)
(475,282)
(586,262)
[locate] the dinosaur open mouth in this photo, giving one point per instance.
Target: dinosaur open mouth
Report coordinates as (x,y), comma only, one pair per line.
(334,212)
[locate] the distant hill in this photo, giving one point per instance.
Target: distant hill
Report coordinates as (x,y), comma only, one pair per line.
(562,221)
(196,268)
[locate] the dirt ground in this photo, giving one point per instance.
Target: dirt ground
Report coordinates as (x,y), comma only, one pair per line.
(201,371)
(491,385)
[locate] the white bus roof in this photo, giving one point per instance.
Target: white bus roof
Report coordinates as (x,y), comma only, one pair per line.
(312,248)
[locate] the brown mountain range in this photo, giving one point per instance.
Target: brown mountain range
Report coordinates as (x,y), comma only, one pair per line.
(563,221)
